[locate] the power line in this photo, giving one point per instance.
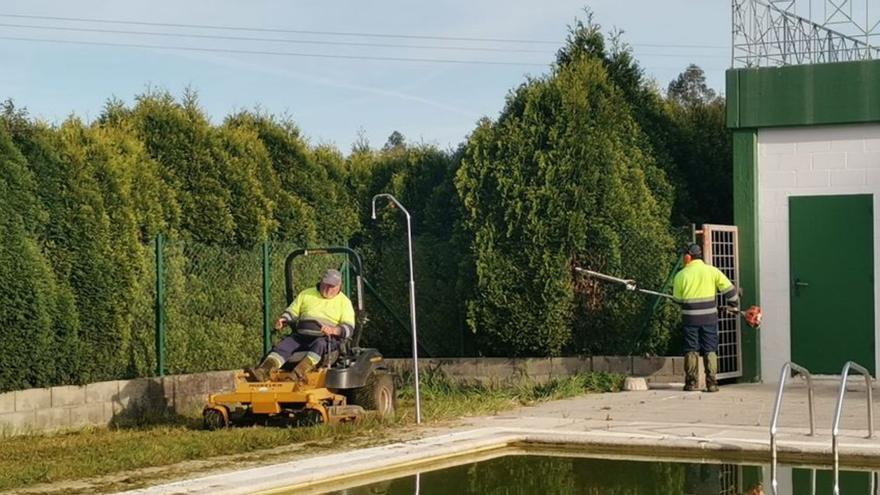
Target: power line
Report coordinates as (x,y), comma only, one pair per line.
(319,42)
(272,40)
(282,54)
(661,45)
(276,30)
(338,33)
(682,55)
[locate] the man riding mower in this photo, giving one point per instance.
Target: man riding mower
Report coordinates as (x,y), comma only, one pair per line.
(321,317)
(318,374)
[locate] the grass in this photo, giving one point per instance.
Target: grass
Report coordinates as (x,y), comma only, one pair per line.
(150,442)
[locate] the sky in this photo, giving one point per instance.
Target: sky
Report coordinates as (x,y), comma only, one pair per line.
(434,76)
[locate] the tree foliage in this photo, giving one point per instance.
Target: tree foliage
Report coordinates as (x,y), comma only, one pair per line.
(561,178)
(690,88)
(421,177)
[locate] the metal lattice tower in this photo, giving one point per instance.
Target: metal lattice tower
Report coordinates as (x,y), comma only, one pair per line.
(770,33)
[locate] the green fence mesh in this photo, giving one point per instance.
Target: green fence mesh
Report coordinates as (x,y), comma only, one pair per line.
(213,307)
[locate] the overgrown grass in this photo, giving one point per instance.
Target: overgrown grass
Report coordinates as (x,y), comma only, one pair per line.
(150,442)
(443,398)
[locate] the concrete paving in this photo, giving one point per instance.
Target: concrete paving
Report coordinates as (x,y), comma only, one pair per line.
(731,424)
(735,420)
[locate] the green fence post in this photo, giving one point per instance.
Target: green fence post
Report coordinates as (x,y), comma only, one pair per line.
(266,304)
(160,305)
(346,274)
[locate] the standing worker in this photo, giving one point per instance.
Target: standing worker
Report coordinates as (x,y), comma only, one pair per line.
(694,287)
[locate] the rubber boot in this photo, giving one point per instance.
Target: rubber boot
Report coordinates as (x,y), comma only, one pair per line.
(262,372)
(691,368)
(710,361)
(302,369)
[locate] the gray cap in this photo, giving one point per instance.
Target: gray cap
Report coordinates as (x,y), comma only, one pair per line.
(332,277)
(694,250)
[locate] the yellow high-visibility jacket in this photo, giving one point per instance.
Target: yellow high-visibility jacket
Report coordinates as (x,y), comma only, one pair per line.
(695,286)
(311,305)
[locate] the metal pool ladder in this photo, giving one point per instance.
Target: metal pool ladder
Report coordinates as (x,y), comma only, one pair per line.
(839,408)
(783,375)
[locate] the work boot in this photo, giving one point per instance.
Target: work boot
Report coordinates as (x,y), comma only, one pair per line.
(691,367)
(710,361)
(302,369)
(262,372)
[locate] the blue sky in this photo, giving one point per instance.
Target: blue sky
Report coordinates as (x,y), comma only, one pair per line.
(331,99)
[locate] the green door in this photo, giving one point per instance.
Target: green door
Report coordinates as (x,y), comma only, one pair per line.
(831,256)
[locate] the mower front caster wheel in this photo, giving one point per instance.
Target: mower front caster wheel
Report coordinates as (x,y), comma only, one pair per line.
(214,419)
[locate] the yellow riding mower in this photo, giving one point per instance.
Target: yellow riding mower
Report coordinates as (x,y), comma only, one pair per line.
(345,383)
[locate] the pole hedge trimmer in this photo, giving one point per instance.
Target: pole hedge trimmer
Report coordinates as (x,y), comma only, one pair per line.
(752,316)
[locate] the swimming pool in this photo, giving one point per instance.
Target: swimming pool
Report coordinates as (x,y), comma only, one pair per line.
(583,475)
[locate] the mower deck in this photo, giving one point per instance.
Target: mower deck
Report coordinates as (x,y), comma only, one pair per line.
(282,397)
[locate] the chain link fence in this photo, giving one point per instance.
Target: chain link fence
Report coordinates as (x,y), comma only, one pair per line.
(143,333)
(611,320)
(215,317)
(213,306)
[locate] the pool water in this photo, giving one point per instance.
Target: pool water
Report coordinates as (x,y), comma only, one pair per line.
(551,475)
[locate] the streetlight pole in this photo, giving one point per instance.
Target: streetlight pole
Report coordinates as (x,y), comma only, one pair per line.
(412,297)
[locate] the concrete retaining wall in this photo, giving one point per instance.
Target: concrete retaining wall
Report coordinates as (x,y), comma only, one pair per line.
(106,403)
(655,369)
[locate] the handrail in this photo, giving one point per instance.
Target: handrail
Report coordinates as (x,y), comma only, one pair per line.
(783,375)
(835,427)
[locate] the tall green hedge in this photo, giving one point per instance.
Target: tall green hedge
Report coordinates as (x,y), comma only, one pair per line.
(561,178)
(39,321)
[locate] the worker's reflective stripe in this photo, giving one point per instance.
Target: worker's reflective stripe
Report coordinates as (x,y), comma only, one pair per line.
(347,331)
(699,305)
(731,294)
(277,358)
(696,312)
(699,300)
(322,321)
(313,357)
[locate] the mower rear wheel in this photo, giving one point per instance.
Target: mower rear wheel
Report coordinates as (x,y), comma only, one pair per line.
(377,394)
(214,419)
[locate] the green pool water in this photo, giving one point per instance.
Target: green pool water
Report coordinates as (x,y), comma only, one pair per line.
(546,475)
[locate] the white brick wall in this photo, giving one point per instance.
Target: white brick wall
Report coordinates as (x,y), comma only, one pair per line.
(806,161)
